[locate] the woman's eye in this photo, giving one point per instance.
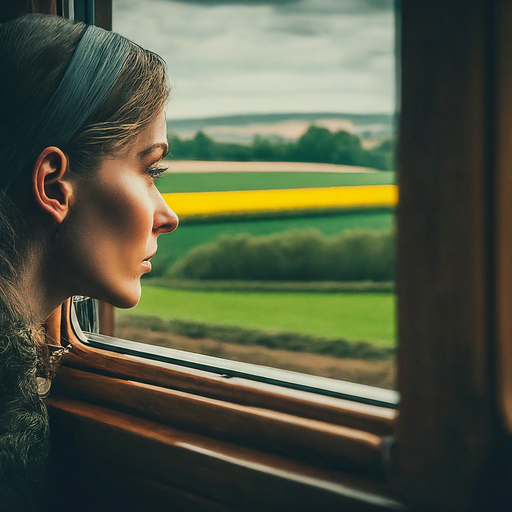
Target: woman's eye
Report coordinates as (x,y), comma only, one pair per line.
(156,171)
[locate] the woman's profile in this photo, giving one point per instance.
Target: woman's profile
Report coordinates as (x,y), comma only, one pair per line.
(82,131)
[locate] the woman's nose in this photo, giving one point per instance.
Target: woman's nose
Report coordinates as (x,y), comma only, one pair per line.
(165,219)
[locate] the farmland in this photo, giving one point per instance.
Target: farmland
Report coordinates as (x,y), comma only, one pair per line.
(254,326)
(239,202)
(353,316)
(187,236)
(223,181)
(381,373)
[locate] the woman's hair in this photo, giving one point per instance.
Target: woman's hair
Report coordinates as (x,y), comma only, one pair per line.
(35,53)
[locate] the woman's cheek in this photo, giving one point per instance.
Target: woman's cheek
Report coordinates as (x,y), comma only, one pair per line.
(113,235)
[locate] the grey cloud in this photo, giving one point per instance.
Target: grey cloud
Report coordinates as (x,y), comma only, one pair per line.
(215,3)
(343,7)
(298,27)
(264,55)
(311,18)
(376,5)
(320,6)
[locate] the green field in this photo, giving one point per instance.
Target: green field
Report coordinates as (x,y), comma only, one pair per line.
(175,245)
(220,181)
(353,316)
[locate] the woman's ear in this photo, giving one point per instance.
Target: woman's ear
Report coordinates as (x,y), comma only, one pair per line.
(50,183)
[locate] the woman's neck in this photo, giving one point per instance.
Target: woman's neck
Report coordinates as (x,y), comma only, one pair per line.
(39,293)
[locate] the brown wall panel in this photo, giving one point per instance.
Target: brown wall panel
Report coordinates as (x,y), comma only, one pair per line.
(445,252)
(503,208)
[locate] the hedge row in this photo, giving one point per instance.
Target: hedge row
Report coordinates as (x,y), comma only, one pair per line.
(276,340)
(318,144)
(295,255)
(274,286)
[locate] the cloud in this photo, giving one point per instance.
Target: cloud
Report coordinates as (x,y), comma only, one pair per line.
(216,3)
(258,58)
(298,27)
(344,7)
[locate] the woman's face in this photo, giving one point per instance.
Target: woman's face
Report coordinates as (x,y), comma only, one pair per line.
(116,215)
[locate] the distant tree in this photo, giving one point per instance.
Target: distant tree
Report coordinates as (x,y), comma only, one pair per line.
(176,147)
(387,145)
(268,150)
(233,152)
(204,147)
(316,145)
(181,149)
(347,149)
(382,157)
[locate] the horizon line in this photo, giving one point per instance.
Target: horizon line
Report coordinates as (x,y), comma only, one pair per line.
(217,116)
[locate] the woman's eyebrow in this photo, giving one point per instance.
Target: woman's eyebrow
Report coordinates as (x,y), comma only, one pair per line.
(159,145)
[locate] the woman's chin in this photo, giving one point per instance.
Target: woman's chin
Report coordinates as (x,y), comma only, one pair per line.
(126,298)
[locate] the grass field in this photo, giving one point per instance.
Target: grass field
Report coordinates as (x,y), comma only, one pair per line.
(222,181)
(366,317)
(372,373)
(177,244)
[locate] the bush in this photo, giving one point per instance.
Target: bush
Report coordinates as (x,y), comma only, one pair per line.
(296,255)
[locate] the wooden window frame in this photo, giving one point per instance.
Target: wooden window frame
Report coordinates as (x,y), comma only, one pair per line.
(335,450)
(231,443)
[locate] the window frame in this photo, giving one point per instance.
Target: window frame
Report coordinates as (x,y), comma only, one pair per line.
(337,450)
(168,372)
(229,368)
(453,250)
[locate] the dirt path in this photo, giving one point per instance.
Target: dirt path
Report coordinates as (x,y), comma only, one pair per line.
(207,166)
(373,373)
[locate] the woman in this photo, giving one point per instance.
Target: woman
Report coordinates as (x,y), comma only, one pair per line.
(82,132)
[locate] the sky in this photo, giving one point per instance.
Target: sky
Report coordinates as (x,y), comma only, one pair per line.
(229,57)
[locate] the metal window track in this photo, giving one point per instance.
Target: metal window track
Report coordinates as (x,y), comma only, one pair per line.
(227,368)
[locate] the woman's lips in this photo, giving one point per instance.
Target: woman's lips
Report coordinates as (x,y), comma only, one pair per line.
(146,263)
(150,256)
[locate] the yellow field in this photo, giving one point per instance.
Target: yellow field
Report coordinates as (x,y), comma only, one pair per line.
(249,201)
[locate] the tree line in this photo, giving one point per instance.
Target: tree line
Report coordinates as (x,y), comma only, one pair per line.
(318,145)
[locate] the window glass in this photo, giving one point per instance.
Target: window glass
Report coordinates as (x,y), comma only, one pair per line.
(86,310)
(281,168)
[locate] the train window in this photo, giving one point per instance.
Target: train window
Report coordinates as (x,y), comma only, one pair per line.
(281,168)
(219,441)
